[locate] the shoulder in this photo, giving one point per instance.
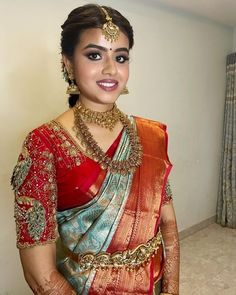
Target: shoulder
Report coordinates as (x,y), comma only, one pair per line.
(39,137)
(47,132)
(153,137)
(149,128)
(149,124)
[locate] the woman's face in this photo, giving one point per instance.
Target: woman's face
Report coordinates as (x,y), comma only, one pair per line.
(101,68)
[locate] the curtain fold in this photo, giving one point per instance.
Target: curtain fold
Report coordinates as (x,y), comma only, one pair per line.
(226,203)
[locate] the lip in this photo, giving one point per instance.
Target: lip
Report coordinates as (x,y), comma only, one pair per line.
(108,84)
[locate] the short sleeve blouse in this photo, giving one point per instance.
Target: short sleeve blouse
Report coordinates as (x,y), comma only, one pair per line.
(34,183)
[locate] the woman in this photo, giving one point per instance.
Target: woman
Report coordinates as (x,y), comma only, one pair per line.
(93,206)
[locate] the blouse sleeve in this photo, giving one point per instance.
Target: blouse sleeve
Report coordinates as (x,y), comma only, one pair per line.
(167,193)
(34,184)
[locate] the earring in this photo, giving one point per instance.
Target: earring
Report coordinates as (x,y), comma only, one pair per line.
(64,71)
(68,76)
(125,91)
(72,87)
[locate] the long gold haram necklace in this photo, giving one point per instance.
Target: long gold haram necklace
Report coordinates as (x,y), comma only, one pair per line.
(97,154)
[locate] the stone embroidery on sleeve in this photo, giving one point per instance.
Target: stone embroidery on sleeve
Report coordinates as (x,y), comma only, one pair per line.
(21,170)
(167,193)
(31,212)
(34,183)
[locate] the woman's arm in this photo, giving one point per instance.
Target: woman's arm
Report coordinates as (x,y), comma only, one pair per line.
(40,271)
(170,280)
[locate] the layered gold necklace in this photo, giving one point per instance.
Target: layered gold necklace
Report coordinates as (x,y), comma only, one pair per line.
(92,148)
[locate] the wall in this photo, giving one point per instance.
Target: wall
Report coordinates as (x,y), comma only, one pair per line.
(234,45)
(177,77)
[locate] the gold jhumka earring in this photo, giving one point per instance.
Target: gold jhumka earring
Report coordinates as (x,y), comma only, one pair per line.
(72,88)
(69,78)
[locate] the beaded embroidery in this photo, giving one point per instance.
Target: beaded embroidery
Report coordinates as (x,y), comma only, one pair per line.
(167,193)
(21,170)
(34,216)
(168,190)
(67,145)
(35,193)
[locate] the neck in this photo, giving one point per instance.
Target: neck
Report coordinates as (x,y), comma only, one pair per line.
(95,106)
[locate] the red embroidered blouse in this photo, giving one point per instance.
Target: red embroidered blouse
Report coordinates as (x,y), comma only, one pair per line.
(52,174)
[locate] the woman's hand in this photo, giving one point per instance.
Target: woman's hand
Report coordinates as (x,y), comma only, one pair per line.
(170,280)
(39,265)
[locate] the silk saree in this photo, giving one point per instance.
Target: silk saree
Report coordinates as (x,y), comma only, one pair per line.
(64,196)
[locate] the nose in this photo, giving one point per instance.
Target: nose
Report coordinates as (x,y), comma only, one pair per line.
(109,67)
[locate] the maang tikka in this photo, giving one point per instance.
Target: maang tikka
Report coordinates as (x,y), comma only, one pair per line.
(109,29)
(111,33)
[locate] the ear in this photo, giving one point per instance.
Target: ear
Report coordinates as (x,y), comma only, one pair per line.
(68,64)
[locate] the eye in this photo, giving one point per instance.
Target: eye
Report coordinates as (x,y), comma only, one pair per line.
(94,56)
(122,59)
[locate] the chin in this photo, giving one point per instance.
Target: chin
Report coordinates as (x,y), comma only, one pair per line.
(101,97)
(107,99)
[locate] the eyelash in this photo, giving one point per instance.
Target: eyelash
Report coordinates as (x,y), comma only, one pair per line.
(92,55)
(125,58)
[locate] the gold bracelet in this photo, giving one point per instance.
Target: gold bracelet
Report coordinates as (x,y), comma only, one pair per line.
(166,294)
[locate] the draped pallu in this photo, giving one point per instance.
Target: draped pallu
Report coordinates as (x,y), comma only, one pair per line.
(123,213)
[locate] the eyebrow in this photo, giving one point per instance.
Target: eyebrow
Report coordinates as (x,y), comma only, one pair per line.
(106,49)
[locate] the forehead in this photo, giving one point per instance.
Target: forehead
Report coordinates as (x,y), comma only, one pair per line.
(95,36)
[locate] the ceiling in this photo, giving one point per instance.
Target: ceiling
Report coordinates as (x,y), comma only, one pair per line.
(222,11)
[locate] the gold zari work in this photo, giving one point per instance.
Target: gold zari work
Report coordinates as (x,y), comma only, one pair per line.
(21,170)
(106,119)
(128,258)
(96,153)
(109,29)
(35,193)
(34,216)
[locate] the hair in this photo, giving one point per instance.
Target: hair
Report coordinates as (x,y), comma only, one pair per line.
(86,17)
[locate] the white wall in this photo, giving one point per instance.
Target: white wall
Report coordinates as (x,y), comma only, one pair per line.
(177,77)
(234,45)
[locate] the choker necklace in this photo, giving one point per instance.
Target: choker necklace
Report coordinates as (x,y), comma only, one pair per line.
(107,119)
(97,154)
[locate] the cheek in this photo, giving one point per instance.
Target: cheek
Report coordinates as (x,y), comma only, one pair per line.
(85,71)
(125,73)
